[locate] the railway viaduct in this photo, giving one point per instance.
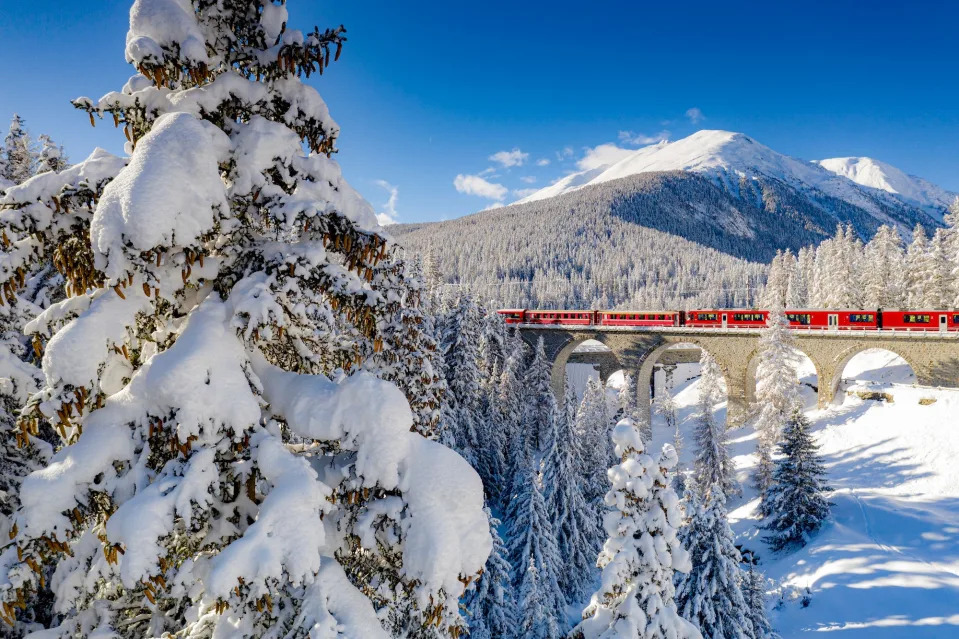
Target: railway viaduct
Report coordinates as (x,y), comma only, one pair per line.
(934,357)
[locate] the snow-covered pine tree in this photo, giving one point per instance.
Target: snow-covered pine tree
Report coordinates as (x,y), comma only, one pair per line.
(434,281)
(952,221)
(574,522)
(185,372)
(629,401)
(409,353)
(642,551)
(883,272)
(851,260)
(777,283)
(491,605)
(51,157)
(710,595)
(666,406)
(463,375)
(570,405)
(712,464)
(777,396)
(494,342)
(797,500)
(533,552)
(754,591)
(940,282)
(540,410)
(506,414)
(20,157)
(592,430)
(32,284)
(806,266)
(919,270)
(797,289)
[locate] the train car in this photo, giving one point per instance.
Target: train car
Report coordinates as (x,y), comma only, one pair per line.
(920,320)
(842,320)
(638,318)
(726,318)
(559,318)
(513,315)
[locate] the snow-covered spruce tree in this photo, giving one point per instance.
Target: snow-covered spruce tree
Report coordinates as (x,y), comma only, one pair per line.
(434,281)
(19,156)
(712,464)
(409,354)
(777,283)
(919,270)
(884,272)
(51,157)
(777,396)
(535,557)
(710,595)
(592,430)
(540,409)
(754,591)
(60,208)
(506,414)
(491,605)
(213,481)
(940,283)
(574,522)
(494,341)
(463,375)
(797,500)
(629,401)
(642,550)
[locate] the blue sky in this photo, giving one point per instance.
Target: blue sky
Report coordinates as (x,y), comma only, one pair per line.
(427,91)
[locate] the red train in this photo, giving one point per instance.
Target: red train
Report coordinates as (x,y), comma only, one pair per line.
(744,318)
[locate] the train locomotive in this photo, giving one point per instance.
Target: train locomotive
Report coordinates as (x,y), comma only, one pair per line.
(799,319)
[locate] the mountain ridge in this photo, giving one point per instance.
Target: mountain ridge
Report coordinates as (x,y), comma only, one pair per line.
(725,157)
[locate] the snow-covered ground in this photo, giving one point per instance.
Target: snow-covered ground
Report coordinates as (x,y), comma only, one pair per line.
(887,563)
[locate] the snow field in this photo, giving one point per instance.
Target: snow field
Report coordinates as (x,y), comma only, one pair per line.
(886,564)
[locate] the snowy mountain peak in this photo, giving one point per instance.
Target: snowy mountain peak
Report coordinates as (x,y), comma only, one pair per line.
(879,175)
(726,157)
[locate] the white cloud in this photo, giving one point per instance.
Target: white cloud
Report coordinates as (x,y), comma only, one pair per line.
(510,158)
(542,162)
(695,115)
(388,214)
(631,137)
(602,155)
(529,179)
(521,193)
(567,152)
(475,185)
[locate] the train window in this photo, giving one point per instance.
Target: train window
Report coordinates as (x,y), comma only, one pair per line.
(955,319)
(708,317)
(748,317)
(862,318)
(804,319)
(915,318)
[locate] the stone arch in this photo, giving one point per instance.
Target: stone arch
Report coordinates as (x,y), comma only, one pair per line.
(644,376)
(559,346)
(753,366)
(846,355)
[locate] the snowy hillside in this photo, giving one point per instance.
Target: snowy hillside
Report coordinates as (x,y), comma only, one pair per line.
(726,157)
(879,175)
(886,565)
